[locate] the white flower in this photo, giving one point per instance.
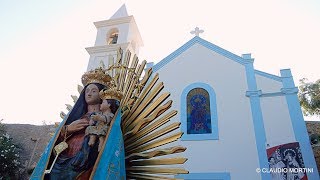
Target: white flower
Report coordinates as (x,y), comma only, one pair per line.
(16,162)
(6,135)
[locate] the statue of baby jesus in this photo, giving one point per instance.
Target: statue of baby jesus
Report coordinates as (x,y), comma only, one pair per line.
(99,124)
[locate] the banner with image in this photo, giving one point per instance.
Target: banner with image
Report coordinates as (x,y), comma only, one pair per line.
(285,162)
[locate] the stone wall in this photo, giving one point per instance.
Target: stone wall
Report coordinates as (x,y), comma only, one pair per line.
(313,127)
(31,139)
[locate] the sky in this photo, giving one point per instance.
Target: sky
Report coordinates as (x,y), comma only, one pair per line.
(42,42)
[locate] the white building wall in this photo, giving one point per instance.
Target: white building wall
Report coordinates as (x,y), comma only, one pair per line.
(133,38)
(276,117)
(129,39)
(277,122)
(235,151)
(95,59)
(267,85)
(102,33)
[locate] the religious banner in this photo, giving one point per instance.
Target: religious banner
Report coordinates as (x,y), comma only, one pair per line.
(285,162)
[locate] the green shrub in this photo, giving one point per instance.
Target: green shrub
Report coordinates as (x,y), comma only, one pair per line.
(9,156)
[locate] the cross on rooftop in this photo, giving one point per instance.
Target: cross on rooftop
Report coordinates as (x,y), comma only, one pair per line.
(196,31)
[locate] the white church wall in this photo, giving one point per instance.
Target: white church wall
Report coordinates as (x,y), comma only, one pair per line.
(235,150)
(128,39)
(268,85)
(132,38)
(276,116)
(101,49)
(102,34)
(95,60)
(277,122)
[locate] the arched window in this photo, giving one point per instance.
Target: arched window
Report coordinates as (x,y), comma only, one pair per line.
(198,112)
(112,37)
(199,117)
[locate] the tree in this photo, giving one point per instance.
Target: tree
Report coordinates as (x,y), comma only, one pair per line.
(9,156)
(309,96)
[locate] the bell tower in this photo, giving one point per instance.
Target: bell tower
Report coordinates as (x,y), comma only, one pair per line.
(120,30)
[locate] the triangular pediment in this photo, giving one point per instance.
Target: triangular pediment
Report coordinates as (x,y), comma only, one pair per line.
(206,44)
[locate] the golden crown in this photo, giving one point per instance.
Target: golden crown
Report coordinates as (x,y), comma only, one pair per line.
(98,75)
(111,93)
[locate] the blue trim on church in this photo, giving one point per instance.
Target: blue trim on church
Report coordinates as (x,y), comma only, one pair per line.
(213,176)
(242,60)
(204,43)
(267,75)
(214,135)
(298,123)
(254,94)
(288,90)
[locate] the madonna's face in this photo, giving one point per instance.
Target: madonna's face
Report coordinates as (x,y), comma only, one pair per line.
(92,94)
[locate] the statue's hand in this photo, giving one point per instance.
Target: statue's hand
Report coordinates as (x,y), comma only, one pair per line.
(109,117)
(97,117)
(91,122)
(77,125)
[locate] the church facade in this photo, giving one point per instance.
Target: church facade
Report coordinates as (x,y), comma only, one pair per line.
(238,122)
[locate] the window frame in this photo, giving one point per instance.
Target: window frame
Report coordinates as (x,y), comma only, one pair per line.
(214,135)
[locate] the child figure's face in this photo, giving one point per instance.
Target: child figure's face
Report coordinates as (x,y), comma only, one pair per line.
(104,105)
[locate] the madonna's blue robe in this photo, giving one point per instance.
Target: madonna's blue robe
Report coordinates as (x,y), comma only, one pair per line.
(110,164)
